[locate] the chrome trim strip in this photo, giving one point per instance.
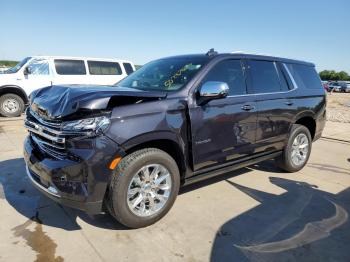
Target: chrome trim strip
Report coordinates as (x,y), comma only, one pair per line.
(40,186)
(290,76)
(38,140)
(55,139)
(53,131)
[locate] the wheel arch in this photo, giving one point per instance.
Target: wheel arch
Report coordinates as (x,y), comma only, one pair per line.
(166,141)
(307,119)
(13,89)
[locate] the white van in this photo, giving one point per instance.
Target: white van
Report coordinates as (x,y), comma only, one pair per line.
(40,71)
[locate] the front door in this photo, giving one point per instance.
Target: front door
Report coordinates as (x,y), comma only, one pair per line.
(39,75)
(223,129)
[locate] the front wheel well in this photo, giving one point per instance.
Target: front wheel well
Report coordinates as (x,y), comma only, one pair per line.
(169,146)
(309,123)
(14,90)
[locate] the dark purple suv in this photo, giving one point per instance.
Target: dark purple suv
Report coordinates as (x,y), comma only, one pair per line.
(126,149)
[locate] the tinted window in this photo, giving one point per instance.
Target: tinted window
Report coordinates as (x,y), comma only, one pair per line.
(104,68)
(305,76)
(128,68)
(39,67)
(70,67)
(264,77)
(230,72)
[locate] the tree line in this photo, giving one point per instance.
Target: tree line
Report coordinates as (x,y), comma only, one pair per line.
(335,76)
(8,63)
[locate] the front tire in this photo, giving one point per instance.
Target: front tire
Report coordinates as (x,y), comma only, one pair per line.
(143,188)
(297,152)
(11,105)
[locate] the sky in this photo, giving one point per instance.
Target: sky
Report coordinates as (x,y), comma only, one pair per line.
(140,31)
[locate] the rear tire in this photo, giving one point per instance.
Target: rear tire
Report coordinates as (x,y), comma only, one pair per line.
(297,152)
(11,105)
(130,183)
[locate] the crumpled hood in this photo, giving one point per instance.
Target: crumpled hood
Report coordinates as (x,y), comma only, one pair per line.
(55,102)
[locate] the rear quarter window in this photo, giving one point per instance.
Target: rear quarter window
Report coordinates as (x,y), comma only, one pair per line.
(70,67)
(128,68)
(104,68)
(305,76)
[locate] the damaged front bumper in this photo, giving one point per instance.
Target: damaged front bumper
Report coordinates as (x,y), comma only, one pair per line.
(78,182)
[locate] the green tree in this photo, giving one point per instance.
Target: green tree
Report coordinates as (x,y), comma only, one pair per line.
(334,76)
(343,76)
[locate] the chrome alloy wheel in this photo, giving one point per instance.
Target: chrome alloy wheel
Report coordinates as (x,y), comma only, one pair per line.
(10,105)
(149,190)
(300,149)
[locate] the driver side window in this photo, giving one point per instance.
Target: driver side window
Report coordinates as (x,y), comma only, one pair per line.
(230,72)
(39,67)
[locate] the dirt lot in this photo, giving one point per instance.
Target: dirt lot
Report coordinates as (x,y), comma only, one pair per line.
(338,107)
(254,214)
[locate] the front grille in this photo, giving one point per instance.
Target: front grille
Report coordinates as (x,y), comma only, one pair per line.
(47,135)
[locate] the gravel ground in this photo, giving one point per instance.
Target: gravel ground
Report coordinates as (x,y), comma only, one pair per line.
(338,107)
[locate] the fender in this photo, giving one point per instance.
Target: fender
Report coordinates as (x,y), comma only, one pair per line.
(182,147)
(306,113)
(18,91)
(153,136)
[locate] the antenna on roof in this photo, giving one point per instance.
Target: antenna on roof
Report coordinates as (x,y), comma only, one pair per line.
(211,52)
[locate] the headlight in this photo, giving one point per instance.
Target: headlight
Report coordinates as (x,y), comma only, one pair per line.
(96,125)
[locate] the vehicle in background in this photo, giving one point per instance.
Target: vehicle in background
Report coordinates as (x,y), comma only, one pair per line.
(36,72)
(326,86)
(345,87)
(336,86)
(127,149)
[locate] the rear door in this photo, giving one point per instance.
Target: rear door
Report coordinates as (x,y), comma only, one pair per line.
(275,100)
(224,129)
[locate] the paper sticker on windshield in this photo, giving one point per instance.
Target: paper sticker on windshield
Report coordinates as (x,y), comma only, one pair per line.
(187,67)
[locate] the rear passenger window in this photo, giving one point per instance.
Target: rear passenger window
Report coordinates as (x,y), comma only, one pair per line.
(104,68)
(128,68)
(305,76)
(264,77)
(230,72)
(70,67)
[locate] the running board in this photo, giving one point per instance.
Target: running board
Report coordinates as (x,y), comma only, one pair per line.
(232,167)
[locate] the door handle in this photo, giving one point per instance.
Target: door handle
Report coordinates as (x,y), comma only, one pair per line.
(289,103)
(247,107)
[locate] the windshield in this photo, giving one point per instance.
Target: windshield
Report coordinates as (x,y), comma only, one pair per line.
(167,74)
(18,66)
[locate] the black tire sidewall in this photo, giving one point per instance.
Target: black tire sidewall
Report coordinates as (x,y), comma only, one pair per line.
(119,195)
(20,103)
(296,130)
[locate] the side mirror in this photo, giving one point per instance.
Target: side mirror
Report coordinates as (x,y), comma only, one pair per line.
(213,90)
(26,71)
